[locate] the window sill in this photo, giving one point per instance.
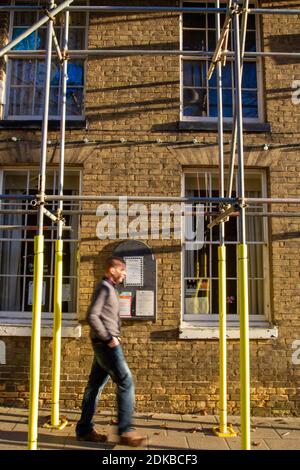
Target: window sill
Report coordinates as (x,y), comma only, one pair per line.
(213,126)
(37,124)
(263,331)
(71,330)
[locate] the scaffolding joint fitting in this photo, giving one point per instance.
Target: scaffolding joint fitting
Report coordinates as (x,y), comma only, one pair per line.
(231,10)
(48,13)
(245,10)
(59,216)
(225,212)
(39,200)
(225,208)
(235,9)
(35,203)
(64,56)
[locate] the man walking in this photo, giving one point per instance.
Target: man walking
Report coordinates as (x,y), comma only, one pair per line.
(109,361)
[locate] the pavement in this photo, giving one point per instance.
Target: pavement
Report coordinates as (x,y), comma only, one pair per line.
(163,431)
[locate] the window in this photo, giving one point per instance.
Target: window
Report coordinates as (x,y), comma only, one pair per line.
(17,248)
(199,96)
(25,84)
(200,281)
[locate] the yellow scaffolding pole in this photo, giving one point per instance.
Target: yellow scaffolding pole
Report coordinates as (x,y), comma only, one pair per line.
(35,341)
(222,339)
(55,420)
(224,429)
(56,354)
(244,345)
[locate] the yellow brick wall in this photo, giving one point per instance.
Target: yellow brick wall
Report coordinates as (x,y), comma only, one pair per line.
(137,98)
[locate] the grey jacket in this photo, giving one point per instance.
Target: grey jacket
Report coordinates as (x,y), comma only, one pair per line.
(104,313)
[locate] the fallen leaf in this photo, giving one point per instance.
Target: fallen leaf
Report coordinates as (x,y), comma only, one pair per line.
(285,433)
(256,444)
(197,429)
(164,426)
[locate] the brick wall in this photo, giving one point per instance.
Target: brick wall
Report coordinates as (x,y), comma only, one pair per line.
(137,98)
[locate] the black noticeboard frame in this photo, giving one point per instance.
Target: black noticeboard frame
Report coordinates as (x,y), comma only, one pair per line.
(142,291)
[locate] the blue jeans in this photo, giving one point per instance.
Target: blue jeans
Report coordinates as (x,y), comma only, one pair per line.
(108,362)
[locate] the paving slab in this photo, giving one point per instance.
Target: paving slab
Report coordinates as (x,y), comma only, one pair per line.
(180,426)
(258,420)
(263,432)
(11,417)
(289,433)
(16,446)
(47,438)
(213,443)
(150,431)
(283,444)
(196,432)
(165,417)
(7,425)
(12,438)
(71,443)
(167,442)
(199,418)
(234,443)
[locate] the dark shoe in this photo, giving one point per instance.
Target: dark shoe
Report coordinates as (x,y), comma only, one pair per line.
(132,439)
(93,436)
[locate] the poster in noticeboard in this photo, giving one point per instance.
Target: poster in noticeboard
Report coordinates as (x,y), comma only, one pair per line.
(125,302)
(134,271)
(145,303)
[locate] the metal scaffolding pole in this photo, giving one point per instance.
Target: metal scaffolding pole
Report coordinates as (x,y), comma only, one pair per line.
(25,197)
(58,275)
(93,212)
(27,227)
(119,9)
(272,200)
(216,200)
(87,198)
(138,9)
(223,430)
(147,52)
(234,122)
(39,261)
(242,251)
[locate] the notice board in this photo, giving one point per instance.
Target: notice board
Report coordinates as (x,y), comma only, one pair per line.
(138,291)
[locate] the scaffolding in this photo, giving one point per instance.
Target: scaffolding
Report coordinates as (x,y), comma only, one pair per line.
(228,206)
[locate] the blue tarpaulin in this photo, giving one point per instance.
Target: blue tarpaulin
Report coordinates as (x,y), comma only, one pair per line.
(31,43)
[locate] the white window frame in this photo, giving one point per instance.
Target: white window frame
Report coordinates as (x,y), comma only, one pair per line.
(211,320)
(261,111)
(17,323)
(37,117)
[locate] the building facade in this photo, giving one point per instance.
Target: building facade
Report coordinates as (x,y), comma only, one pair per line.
(146,125)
